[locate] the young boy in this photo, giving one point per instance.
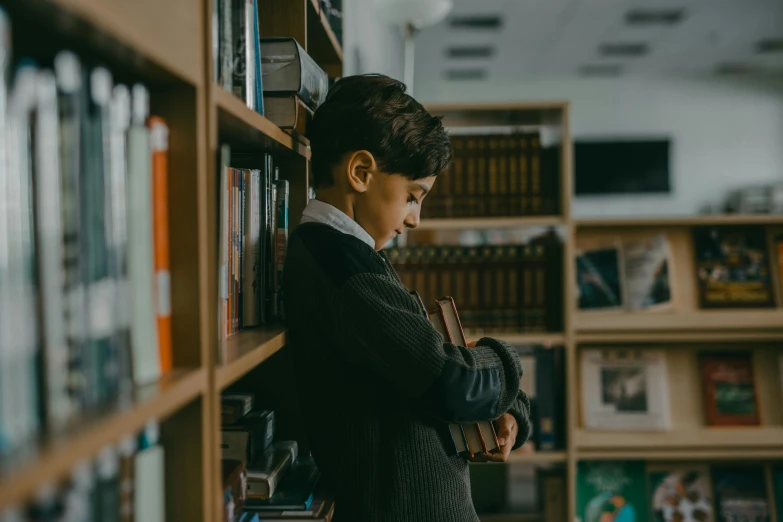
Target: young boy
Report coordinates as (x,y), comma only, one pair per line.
(377,382)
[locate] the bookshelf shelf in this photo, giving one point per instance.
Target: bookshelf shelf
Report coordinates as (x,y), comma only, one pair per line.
(545,339)
(685,221)
(244,128)
(756,321)
(246,350)
(490,222)
(30,468)
(690,454)
(706,438)
(657,337)
(139,34)
(322,43)
(537,457)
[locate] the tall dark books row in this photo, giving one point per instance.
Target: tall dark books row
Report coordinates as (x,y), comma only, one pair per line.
(668,492)
(253,233)
(261,475)
(497,175)
(543,381)
(508,288)
(125,483)
(84,266)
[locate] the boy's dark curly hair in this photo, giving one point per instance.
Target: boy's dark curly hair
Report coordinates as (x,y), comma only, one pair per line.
(373,112)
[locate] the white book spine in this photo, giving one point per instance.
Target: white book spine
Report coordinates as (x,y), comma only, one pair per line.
(23,347)
(250,56)
(252,248)
(50,252)
(144,330)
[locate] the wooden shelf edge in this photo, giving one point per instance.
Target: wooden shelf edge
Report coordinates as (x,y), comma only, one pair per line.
(689,454)
(537,457)
(259,345)
(545,339)
(57,459)
(338,49)
(490,222)
(769,320)
(499,106)
(656,337)
(681,221)
(237,109)
(708,438)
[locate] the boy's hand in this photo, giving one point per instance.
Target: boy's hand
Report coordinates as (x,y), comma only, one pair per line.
(472,344)
(507,430)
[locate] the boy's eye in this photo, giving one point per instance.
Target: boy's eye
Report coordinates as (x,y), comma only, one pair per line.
(412,199)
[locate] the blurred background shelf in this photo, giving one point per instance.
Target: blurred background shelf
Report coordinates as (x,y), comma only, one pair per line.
(490,222)
(685,221)
(26,470)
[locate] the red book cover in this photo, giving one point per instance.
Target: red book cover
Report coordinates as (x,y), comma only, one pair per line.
(730,397)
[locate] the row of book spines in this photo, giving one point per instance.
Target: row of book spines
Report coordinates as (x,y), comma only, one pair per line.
(125,483)
(496,175)
(255,249)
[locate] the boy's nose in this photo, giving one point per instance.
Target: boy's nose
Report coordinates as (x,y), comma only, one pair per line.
(412,220)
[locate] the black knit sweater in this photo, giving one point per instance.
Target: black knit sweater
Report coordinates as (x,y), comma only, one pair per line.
(379,384)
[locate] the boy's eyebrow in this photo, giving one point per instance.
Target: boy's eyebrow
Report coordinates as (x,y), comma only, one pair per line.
(424,189)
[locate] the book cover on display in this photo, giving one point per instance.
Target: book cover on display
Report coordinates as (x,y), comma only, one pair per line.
(611,491)
(681,493)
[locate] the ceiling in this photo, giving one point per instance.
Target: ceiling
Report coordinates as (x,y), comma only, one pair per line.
(541,39)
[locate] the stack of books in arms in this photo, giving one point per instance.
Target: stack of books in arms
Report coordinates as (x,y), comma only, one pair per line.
(84,257)
(253,238)
(125,483)
(682,491)
(500,288)
(497,175)
(273,76)
(264,479)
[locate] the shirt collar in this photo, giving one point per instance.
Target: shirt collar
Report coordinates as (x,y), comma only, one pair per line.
(319,212)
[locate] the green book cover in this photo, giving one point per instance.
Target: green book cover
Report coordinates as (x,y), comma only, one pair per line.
(777,490)
(611,491)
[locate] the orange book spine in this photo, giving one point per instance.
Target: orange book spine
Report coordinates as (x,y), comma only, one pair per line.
(159,141)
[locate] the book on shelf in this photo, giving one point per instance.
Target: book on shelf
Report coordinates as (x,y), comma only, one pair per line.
(599,277)
(501,288)
(625,389)
(631,275)
(777,488)
(614,490)
(249,437)
(244,55)
(288,112)
(777,248)
(468,439)
(234,406)
(729,388)
(253,232)
(552,495)
(497,174)
(741,493)
(320,510)
(680,492)
(732,267)
(295,492)
(265,474)
(288,70)
(159,142)
(77,280)
(233,488)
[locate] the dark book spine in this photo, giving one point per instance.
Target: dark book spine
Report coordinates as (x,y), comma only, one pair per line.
(546,382)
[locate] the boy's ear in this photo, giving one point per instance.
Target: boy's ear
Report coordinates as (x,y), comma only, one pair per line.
(361,167)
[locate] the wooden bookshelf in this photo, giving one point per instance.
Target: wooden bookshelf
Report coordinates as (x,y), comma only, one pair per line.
(760,438)
(538,457)
(544,339)
(246,129)
(326,49)
(167,46)
(246,350)
(691,454)
(36,465)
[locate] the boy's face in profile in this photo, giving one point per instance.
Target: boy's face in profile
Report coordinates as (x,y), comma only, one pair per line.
(382,204)
(391,204)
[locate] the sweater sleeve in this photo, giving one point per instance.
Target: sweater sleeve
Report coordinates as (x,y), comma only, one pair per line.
(379,327)
(520,410)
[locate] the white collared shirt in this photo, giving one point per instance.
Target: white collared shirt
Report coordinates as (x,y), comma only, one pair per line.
(320,212)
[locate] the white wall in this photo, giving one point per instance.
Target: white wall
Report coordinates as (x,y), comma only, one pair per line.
(724,134)
(370,45)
